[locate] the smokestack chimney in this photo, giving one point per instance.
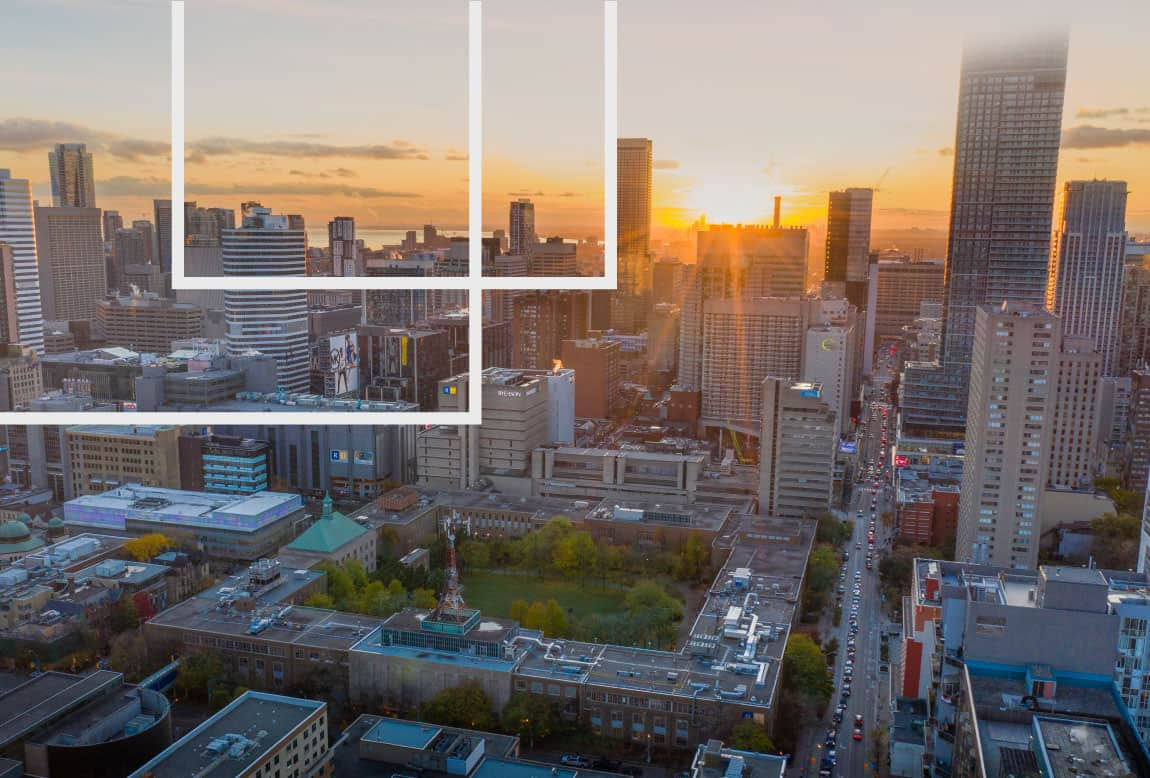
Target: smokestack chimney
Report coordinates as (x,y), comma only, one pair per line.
(778,209)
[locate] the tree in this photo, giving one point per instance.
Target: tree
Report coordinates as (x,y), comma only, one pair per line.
(129,655)
(320,600)
(694,560)
(424,598)
(528,715)
(340,584)
(147,547)
(830,530)
(554,620)
(198,675)
(535,615)
(465,706)
(576,555)
(475,554)
(519,610)
(650,597)
(749,736)
(124,615)
(805,669)
(1115,542)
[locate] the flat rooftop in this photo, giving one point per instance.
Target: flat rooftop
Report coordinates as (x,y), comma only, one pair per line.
(698,515)
(732,763)
(255,723)
(242,513)
(347,759)
(42,698)
(301,626)
(1068,746)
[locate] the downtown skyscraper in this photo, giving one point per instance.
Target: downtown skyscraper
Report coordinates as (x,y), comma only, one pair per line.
(522,227)
(634,216)
(73,181)
(1002,202)
(848,243)
(1087,259)
(18,232)
(271,322)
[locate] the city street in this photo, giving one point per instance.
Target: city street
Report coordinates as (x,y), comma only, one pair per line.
(869,688)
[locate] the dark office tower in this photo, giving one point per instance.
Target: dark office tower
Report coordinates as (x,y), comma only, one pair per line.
(1087,260)
(848,242)
(1002,203)
(430,235)
(73,276)
(113,222)
(225,218)
(341,246)
(522,224)
(73,183)
(163,222)
(634,199)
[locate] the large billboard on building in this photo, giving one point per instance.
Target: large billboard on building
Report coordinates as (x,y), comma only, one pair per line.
(344,363)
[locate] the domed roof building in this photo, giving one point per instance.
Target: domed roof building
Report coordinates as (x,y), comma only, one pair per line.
(17,541)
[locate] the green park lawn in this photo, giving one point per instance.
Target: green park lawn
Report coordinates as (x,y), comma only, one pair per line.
(493,593)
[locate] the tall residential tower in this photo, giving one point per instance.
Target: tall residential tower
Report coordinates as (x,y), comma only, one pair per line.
(1087,260)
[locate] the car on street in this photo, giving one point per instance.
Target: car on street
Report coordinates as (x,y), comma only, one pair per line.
(575,760)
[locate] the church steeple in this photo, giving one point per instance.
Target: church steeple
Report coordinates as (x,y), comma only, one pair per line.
(327,503)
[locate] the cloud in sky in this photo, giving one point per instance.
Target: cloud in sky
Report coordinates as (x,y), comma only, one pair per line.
(666,164)
(946,151)
(223,146)
(1108,113)
(1088,136)
(339,172)
(151,186)
(22,134)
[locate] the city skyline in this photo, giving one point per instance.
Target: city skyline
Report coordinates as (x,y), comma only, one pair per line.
(329,165)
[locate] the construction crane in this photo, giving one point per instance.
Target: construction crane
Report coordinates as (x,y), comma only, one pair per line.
(735,441)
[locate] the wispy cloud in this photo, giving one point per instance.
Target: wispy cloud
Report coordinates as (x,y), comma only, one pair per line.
(945,151)
(22,134)
(1088,136)
(223,146)
(1106,113)
(666,164)
(339,172)
(298,188)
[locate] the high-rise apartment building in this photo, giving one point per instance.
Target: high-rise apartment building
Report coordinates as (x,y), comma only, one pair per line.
(1013,379)
(18,232)
(829,360)
(1087,259)
(736,262)
(73,276)
(1134,326)
(598,376)
(848,242)
(73,182)
(272,322)
(1075,429)
(1136,466)
(342,246)
(162,210)
(797,450)
(9,321)
(1002,201)
(895,292)
(745,341)
(113,222)
(553,257)
(634,216)
(522,227)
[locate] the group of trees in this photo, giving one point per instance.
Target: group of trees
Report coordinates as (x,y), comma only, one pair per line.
(147,547)
(823,565)
(650,617)
(559,549)
(806,688)
(468,706)
(350,588)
